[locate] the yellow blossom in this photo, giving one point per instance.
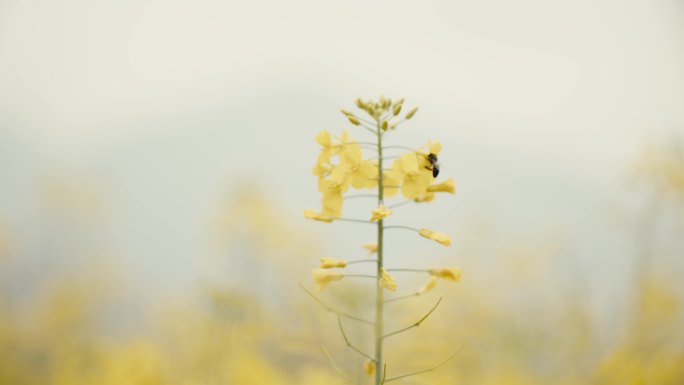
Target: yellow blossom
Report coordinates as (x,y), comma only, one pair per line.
(371,247)
(435,147)
(322,169)
(386,281)
(429,285)
(436,236)
(324,139)
(414,178)
(323,277)
(450,273)
(427,197)
(363,173)
(448,186)
(328,263)
(380,213)
(311,214)
(332,190)
(323,166)
(369,367)
(391,182)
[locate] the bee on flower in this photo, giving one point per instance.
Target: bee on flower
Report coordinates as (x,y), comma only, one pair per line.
(345,165)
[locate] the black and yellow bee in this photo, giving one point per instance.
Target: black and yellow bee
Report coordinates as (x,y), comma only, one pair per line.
(433,164)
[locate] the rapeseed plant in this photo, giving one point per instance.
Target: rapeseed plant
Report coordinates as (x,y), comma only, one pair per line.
(340,166)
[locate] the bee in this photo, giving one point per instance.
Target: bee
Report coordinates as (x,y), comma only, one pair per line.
(433,164)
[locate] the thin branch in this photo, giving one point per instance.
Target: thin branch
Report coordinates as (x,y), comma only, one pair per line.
(402,227)
(402,297)
(349,344)
(364,121)
(363,124)
(353,196)
(361,276)
(328,308)
(354,220)
(369,144)
(338,370)
(386,157)
(402,120)
(410,270)
(399,147)
(400,204)
(415,324)
(362,260)
(426,370)
(384,374)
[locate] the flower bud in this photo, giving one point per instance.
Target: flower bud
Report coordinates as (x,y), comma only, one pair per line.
(386,281)
(353,120)
(369,367)
(329,263)
(397,109)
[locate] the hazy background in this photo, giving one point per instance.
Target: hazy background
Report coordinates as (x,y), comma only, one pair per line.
(139,138)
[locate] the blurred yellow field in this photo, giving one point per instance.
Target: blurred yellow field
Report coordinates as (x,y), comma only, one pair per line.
(183,202)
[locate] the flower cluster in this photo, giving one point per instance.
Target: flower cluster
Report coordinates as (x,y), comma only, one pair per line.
(340,167)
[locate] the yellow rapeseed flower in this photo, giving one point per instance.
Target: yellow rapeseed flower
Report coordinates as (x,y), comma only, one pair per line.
(434,147)
(322,169)
(322,277)
(429,285)
(363,173)
(448,186)
(414,178)
(391,183)
(435,236)
(332,190)
(427,197)
(324,139)
(380,213)
(329,149)
(311,214)
(328,263)
(450,273)
(371,247)
(386,281)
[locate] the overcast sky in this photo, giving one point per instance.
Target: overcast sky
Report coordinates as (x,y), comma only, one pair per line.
(166,107)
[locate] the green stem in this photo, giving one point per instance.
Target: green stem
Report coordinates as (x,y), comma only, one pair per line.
(379,294)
